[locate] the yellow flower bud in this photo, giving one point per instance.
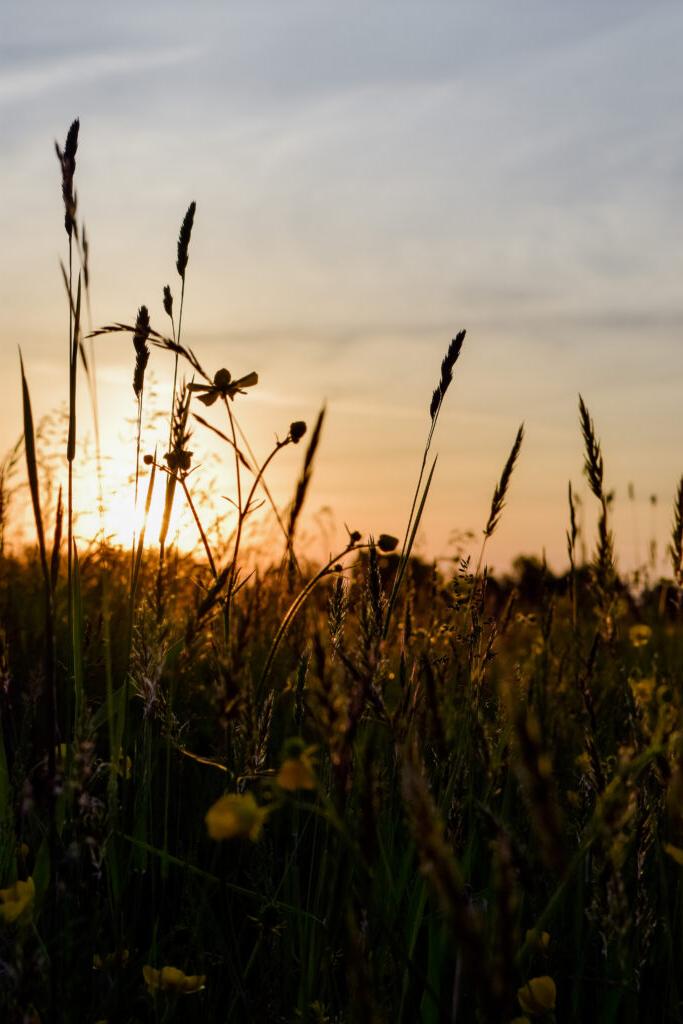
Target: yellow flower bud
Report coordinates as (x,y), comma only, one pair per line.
(538,996)
(16,901)
(172,979)
(235,817)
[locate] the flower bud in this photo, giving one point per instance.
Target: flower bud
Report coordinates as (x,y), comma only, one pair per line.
(297,431)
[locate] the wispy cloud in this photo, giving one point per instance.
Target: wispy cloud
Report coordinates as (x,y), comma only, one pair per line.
(30,80)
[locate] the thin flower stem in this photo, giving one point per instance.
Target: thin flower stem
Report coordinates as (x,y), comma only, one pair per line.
(240,520)
(197,520)
(266,490)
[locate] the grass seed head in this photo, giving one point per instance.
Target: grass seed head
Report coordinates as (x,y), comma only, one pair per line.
(67,160)
(184,239)
(140,336)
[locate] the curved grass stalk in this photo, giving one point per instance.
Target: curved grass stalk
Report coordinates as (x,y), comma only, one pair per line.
(297,604)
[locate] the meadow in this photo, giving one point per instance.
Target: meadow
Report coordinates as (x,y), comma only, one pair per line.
(360,791)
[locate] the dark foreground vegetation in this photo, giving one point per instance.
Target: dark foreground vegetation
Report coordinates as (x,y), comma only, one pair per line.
(366,791)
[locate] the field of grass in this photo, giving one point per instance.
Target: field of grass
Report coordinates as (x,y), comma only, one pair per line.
(355,792)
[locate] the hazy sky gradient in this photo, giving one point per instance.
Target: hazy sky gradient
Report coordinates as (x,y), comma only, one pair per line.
(369,179)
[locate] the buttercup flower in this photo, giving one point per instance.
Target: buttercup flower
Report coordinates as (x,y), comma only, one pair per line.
(223,386)
(172,979)
(297,431)
(297,770)
(235,817)
(538,996)
(540,940)
(17,900)
(639,635)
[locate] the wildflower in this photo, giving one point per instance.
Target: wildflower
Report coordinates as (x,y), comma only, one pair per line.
(297,770)
(387,543)
(540,940)
(179,460)
(643,689)
(17,901)
(122,766)
(297,429)
(538,996)
(224,387)
(639,635)
(172,979)
(234,816)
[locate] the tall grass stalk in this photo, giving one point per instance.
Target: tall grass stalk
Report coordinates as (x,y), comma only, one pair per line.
(418,503)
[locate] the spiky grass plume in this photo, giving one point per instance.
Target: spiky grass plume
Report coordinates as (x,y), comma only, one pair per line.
(304,480)
(593,463)
(447,364)
(168,301)
(676,546)
(500,492)
(572,532)
(67,160)
(184,237)
(336,613)
(179,458)
(140,336)
(419,499)
(603,562)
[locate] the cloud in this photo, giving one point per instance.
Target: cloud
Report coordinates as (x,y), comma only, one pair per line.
(29,81)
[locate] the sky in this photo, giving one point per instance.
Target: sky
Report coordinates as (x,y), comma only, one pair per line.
(369,179)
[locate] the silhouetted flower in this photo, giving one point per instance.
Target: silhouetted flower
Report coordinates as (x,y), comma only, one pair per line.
(223,386)
(387,543)
(297,431)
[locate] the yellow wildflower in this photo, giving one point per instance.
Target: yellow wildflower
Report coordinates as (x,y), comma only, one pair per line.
(639,635)
(642,689)
(17,900)
(172,979)
(235,816)
(538,996)
(540,940)
(122,766)
(297,769)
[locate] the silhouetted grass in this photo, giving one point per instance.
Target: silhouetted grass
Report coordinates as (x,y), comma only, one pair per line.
(359,791)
